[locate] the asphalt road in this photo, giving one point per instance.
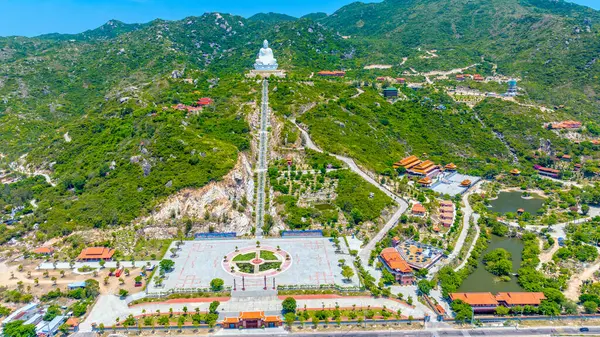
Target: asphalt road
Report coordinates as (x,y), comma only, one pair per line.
(541,331)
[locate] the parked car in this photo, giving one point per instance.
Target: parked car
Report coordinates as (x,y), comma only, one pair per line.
(584,329)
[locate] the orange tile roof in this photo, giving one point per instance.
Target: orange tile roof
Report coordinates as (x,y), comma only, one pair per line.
(44,250)
(96,253)
(549,170)
(447,209)
(465,182)
(252,315)
(72,321)
(446,203)
(515,171)
(440,309)
(451,166)
(521,298)
(475,298)
(394,260)
(418,208)
(408,160)
(272,319)
(425,181)
(424,165)
(229,320)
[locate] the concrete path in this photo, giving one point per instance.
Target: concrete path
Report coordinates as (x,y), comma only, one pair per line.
(402,204)
(467,213)
(261,169)
(558,230)
(96,265)
(478,232)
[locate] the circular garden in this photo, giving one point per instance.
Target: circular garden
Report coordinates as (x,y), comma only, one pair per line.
(257,261)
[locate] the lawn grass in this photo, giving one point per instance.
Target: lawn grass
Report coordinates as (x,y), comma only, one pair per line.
(245,257)
(267,255)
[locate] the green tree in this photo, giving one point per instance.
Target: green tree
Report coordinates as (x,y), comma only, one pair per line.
(214,305)
(590,307)
(289,305)
(463,311)
(290,317)
(166,265)
(425,286)
(502,310)
(18,329)
(216,284)
(347,272)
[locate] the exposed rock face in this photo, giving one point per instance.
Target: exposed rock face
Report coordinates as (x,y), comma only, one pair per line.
(217,206)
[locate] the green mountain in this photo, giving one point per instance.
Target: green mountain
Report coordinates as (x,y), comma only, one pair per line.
(94,109)
(552,45)
(314,16)
(109,30)
(271,17)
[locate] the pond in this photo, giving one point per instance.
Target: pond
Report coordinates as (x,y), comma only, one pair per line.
(483,281)
(512,201)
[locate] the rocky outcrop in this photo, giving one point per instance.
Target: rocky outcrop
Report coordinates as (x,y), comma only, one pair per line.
(223,206)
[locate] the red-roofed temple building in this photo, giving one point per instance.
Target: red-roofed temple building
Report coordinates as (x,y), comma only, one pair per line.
(487,302)
(96,254)
(251,320)
(395,264)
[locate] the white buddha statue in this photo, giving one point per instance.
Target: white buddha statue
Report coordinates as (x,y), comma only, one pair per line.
(265,60)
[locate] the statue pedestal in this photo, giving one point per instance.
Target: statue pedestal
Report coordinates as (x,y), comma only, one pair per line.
(266,73)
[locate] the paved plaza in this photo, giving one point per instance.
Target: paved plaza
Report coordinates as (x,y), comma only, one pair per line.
(450,183)
(291,261)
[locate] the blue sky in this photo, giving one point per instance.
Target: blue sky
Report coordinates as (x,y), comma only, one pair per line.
(35,17)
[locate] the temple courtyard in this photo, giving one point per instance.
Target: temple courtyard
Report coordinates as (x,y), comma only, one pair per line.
(297,262)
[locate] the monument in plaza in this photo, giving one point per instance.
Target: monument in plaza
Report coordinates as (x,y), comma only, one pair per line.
(265,60)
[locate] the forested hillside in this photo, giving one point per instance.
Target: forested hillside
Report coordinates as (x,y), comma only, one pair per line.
(93,110)
(552,45)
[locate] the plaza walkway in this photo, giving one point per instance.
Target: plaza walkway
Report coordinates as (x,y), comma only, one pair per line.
(110,307)
(261,169)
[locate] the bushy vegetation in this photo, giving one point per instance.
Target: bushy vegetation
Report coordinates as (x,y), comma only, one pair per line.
(378,134)
(498,262)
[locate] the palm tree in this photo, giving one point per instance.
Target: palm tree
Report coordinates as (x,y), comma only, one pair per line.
(53,280)
(62,273)
(36,281)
